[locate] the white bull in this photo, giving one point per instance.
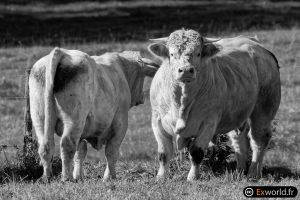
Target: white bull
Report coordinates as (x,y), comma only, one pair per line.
(204,87)
(83,98)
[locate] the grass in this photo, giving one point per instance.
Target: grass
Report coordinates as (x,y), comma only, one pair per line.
(138,164)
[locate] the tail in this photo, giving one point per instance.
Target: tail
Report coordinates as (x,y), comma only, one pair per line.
(27,117)
(55,57)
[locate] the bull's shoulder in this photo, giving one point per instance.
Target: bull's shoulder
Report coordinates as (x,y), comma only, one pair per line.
(109,64)
(161,87)
(244,45)
(106,58)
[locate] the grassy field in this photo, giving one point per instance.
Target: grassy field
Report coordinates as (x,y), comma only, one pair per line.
(138,163)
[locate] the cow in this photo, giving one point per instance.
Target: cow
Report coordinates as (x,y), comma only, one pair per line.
(207,86)
(84,99)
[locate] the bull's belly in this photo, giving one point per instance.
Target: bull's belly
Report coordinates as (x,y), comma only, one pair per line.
(234,119)
(223,128)
(228,122)
(98,128)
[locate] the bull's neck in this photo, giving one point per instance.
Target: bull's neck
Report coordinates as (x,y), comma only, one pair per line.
(184,97)
(184,94)
(133,79)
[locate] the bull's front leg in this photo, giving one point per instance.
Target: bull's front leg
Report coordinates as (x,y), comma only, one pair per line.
(198,146)
(165,147)
(79,157)
(113,145)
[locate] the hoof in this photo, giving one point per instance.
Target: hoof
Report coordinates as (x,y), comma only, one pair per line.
(192,178)
(252,179)
(160,178)
(108,178)
(44,179)
(76,180)
(64,180)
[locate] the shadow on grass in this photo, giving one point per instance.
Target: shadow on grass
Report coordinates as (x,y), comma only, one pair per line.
(279,173)
(17,173)
(138,169)
(26,166)
(276,173)
(140,22)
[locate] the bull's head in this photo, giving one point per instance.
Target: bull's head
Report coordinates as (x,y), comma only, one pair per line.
(183,49)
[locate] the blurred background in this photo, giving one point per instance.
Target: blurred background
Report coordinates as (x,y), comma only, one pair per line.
(57,22)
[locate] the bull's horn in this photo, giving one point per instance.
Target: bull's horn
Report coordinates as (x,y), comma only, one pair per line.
(160,40)
(210,40)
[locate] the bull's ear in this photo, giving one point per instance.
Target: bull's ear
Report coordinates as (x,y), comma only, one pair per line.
(209,50)
(149,67)
(209,47)
(159,50)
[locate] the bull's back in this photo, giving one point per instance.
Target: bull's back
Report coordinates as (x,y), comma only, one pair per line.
(112,92)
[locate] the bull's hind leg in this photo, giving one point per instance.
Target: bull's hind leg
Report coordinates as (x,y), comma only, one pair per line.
(165,147)
(240,144)
(79,157)
(260,136)
(68,146)
(73,109)
(261,130)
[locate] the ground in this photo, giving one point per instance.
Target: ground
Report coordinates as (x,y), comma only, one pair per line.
(138,163)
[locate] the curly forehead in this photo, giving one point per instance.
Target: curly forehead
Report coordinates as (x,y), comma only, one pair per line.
(184,39)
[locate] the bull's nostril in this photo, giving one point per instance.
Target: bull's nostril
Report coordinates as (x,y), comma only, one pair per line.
(191,71)
(180,70)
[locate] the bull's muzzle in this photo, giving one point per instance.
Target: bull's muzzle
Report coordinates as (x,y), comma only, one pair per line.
(186,74)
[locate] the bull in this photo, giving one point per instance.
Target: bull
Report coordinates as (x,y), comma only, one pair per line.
(208,86)
(84,99)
